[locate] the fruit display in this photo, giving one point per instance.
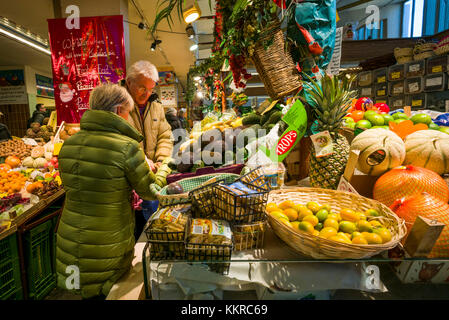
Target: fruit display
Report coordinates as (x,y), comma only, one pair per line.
(11,200)
(47,189)
(36,131)
(427,206)
(16,148)
(409,180)
(66,133)
(330,102)
(347,225)
(380,150)
(11,181)
(428,149)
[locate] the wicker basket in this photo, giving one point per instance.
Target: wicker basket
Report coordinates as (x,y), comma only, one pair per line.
(320,248)
(275,66)
(443,46)
(188,185)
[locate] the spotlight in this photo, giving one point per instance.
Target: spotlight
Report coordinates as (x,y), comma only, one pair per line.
(193,47)
(154,44)
(141,26)
(190,32)
(191,13)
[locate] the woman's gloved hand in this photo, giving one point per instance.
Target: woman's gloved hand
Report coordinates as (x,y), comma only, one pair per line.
(154,188)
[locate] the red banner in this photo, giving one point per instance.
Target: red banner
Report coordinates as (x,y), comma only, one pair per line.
(82,59)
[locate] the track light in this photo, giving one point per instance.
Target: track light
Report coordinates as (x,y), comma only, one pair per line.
(191,13)
(154,44)
(190,32)
(193,47)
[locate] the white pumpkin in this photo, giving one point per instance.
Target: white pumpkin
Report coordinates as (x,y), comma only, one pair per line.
(387,145)
(39,163)
(428,149)
(28,162)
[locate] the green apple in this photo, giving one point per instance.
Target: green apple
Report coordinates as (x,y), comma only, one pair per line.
(387,118)
(348,119)
(444,129)
(364,124)
(376,119)
(421,118)
(400,115)
(368,114)
(400,120)
(434,126)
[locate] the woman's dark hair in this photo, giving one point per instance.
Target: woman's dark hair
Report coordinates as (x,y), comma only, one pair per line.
(38,106)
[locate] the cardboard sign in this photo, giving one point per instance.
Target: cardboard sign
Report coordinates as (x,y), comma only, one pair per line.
(322,142)
(344,185)
(425,232)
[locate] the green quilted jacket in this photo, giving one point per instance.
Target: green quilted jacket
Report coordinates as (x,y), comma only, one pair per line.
(99,167)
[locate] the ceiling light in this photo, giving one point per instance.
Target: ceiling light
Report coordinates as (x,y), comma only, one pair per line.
(190,32)
(193,47)
(199,94)
(191,13)
(23,40)
(154,44)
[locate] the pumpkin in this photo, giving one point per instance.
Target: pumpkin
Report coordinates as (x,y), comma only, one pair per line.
(5,167)
(37,152)
(12,161)
(28,162)
(39,163)
(380,150)
(428,149)
(408,180)
(427,206)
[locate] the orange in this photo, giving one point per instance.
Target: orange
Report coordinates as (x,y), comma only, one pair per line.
(306,226)
(313,206)
(357,115)
(375,223)
(349,215)
(292,214)
(271,207)
(373,238)
(303,212)
(286,204)
(312,219)
(340,238)
(316,233)
(384,233)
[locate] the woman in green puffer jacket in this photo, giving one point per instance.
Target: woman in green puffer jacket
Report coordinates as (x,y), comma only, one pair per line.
(99,167)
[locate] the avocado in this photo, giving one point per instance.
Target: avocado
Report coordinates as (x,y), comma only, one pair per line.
(251,119)
(174,188)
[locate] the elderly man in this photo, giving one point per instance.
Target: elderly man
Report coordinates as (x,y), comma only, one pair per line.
(147,115)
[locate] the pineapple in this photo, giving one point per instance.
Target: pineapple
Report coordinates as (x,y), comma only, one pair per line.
(330,102)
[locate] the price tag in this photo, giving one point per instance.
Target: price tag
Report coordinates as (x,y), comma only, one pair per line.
(398,103)
(366,91)
(416,103)
(29,141)
(381,92)
(322,142)
(381,79)
(434,82)
(344,185)
(398,90)
(395,75)
(414,67)
(413,87)
(381,101)
(437,69)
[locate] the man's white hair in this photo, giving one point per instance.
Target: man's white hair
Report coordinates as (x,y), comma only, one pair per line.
(145,68)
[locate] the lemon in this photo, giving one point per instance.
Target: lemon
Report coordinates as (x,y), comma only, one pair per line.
(295,224)
(328,232)
(362,216)
(312,219)
(299,207)
(349,215)
(286,204)
(332,216)
(331,223)
(384,233)
(364,226)
(359,240)
(313,206)
(271,207)
(347,227)
(304,212)
(292,214)
(316,233)
(375,223)
(372,213)
(344,235)
(340,238)
(322,214)
(373,238)
(306,227)
(365,234)
(278,215)
(319,226)
(326,207)
(339,218)
(355,234)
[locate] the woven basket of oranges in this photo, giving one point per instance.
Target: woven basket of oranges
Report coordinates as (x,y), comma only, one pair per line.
(330,224)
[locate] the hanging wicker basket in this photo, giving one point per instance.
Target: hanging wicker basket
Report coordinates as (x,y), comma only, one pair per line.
(275,66)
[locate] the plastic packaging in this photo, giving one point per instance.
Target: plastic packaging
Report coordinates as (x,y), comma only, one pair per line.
(380,75)
(414,85)
(396,72)
(397,102)
(415,69)
(396,87)
(435,82)
(249,236)
(437,64)
(365,78)
(366,92)
(416,101)
(168,224)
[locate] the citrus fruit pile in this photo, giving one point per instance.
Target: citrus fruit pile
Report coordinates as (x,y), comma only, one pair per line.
(347,225)
(11,181)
